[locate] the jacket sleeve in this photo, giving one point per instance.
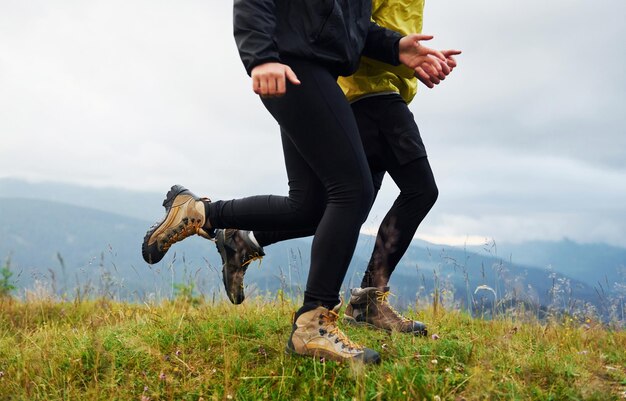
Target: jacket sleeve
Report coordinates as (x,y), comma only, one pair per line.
(400,70)
(254,22)
(382,44)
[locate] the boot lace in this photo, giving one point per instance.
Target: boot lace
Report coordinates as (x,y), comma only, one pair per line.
(249,258)
(333,330)
(186,228)
(382,297)
(248,255)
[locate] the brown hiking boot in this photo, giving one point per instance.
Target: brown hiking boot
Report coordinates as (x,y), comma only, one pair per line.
(315,333)
(237,251)
(370,307)
(184,216)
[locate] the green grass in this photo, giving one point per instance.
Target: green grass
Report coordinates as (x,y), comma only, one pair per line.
(105,350)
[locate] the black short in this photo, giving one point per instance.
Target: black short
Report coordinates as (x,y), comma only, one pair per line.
(388,131)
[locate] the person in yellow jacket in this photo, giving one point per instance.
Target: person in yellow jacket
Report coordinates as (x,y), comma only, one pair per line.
(379,96)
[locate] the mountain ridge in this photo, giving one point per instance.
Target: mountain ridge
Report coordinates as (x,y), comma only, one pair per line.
(75,245)
(54,228)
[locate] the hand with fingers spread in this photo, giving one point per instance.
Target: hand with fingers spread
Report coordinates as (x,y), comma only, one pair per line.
(270,79)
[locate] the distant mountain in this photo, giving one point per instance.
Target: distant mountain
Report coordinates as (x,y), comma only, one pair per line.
(595,264)
(140,205)
(68,236)
(69,246)
(65,244)
(75,249)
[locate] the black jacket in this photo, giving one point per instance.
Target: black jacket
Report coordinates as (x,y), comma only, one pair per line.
(333,32)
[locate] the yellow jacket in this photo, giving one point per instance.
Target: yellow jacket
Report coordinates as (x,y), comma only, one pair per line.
(404,16)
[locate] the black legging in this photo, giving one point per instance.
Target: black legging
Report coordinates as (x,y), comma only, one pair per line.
(391,136)
(330,185)
(418,193)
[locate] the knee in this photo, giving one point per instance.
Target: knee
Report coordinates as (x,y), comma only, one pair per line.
(315,213)
(431,193)
(424,195)
(355,197)
(308,212)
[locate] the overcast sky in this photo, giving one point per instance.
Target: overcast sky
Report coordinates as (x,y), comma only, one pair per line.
(526,138)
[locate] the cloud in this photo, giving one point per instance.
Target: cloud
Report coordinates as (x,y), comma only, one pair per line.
(539,76)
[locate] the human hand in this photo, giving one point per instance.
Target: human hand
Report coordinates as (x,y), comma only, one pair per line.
(431,73)
(434,77)
(450,60)
(414,55)
(270,79)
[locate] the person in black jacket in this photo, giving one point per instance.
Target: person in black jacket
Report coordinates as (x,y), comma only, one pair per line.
(294,50)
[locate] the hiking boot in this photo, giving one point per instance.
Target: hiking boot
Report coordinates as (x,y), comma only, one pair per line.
(369,307)
(315,333)
(237,251)
(184,216)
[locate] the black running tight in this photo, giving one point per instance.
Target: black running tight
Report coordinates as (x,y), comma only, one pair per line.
(418,194)
(330,185)
(390,136)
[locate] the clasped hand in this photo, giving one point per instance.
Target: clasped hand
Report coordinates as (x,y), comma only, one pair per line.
(431,67)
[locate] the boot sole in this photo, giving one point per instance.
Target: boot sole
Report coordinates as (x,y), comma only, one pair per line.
(150,253)
(331,357)
(353,322)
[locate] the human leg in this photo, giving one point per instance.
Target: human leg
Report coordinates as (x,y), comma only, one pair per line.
(188,214)
(321,126)
(333,150)
(297,185)
(418,193)
(238,247)
(369,304)
(392,143)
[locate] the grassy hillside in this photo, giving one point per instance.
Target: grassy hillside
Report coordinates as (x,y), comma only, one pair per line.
(192,349)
